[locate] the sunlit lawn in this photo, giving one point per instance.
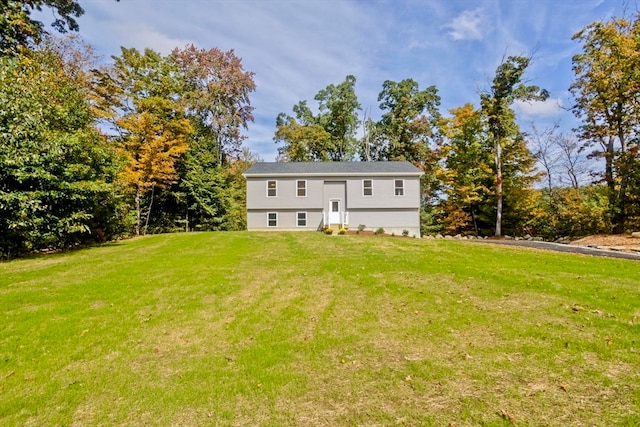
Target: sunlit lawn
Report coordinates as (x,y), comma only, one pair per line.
(306,329)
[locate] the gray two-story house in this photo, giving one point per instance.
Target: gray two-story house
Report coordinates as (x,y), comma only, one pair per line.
(312,195)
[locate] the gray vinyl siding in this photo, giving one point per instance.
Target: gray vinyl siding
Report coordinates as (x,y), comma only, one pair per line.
(392,220)
(287,194)
(383,193)
(287,219)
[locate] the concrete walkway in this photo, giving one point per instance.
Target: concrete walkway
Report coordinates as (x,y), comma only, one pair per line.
(558,247)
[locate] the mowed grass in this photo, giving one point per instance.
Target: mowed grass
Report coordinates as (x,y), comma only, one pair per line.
(278,329)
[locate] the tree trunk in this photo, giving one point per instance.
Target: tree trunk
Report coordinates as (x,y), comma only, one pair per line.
(138,214)
(475,222)
(146,223)
(498,158)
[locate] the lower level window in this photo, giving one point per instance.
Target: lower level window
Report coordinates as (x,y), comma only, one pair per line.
(272,219)
(301,218)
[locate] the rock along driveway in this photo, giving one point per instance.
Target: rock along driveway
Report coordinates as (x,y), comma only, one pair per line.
(559,247)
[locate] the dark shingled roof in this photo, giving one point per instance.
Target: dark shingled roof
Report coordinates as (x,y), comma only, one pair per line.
(332,168)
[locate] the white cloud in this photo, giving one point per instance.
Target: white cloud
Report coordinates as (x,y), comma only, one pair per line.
(469,25)
(539,109)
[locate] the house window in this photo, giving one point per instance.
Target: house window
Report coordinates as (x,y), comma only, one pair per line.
(301,188)
(272,219)
(272,189)
(301,219)
(398,187)
(367,187)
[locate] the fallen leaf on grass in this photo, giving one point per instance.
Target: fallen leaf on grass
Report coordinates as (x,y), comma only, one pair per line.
(506,415)
(564,387)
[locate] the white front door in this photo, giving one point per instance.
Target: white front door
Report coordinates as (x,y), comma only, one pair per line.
(334,211)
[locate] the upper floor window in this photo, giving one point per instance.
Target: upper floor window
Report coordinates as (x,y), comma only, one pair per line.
(301,188)
(367,187)
(272,188)
(398,187)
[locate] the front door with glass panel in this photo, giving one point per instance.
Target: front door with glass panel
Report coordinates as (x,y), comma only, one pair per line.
(334,211)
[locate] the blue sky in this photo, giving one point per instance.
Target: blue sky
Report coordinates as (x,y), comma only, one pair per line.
(297,47)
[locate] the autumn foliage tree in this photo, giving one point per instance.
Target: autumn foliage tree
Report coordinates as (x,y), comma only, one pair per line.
(216,98)
(216,94)
(466,173)
(140,97)
(178,119)
(606,90)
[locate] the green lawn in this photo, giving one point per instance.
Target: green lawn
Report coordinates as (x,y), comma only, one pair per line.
(278,329)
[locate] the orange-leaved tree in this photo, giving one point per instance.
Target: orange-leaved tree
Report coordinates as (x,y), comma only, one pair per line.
(141,97)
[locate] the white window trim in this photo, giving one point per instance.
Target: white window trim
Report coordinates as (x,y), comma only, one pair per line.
(269,221)
(363,187)
(276,187)
(395,188)
(306,219)
(305,187)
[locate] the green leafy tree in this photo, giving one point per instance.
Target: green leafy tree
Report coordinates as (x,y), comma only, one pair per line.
(327,136)
(496,105)
(408,123)
(406,131)
(606,90)
(304,140)
(18,30)
(338,115)
(58,177)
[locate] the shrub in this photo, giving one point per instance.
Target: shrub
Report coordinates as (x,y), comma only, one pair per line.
(361,227)
(342,231)
(328,230)
(405,233)
(379,231)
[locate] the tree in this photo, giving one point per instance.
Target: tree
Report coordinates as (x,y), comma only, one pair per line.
(467,172)
(140,96)
(496,105)
(18,30)
(409,121)
(606,91)
(327,136)
(572,162)
(304,141)
(58,176)
(216,98)
(216,95)
(560,157)
(338,116)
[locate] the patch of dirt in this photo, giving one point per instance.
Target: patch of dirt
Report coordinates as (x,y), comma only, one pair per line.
(622,242)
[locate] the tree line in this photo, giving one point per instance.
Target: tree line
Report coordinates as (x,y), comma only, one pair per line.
(484,175)
(92,152)
(152,143)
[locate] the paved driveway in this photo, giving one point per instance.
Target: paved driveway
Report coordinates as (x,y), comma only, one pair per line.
(558,247)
